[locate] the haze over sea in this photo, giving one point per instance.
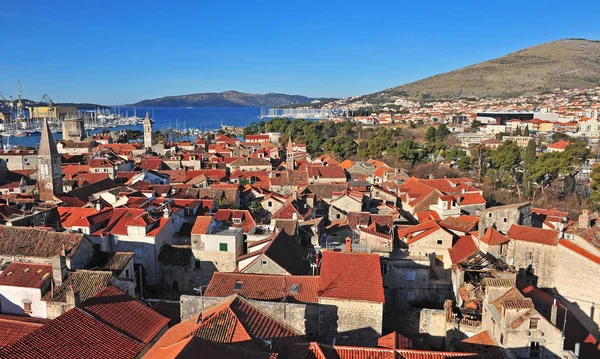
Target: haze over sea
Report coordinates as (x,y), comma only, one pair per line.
(202,118)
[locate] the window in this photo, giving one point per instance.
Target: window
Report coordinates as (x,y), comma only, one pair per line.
(439,241)
(139,252)
(533,323)
(270,204)
(410,295)
(238,285)
(197,263)
(502,338)
(27,307)
(263,262)
(223,247)
(411,275)
(126,273)
(384,268)
(490,215)
(295,288)
(337,216)
(505,219)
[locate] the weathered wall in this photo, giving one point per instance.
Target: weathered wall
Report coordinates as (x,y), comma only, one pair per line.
(350,322)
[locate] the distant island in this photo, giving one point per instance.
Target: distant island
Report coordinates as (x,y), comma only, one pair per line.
(225,99)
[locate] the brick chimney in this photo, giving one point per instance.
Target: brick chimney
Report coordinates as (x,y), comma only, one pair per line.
(584,219)
(348,244)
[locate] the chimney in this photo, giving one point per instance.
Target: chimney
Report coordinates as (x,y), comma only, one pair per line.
(431,176)
(59,268)
(272,174)
(584,219)
(317,261)
(348,244)
(73,299)
(553,312)
(98,205)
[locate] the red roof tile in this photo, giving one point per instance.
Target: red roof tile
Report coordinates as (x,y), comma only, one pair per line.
(26,275)
(201,224)
(534,235)
(126,314)
(492,237)
(13,330)
(75,334)
(351,276)
(264,286)
(464,247)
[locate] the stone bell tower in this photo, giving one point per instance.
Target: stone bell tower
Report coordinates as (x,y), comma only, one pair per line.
(49,178)
(147,131)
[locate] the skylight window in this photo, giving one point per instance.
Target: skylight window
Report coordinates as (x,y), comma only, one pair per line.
(295,288)
(238,285)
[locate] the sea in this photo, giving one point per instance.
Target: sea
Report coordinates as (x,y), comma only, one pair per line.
(202,118)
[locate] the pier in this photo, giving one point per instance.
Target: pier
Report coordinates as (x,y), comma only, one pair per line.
(312,113)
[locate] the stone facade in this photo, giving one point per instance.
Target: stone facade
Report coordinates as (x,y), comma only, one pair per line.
(355,322)
(73,129)
(503,217)
(535,261)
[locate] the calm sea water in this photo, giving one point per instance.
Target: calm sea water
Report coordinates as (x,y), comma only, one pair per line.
(203,118)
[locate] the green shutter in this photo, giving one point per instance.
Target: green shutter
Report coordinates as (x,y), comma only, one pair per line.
(223,247)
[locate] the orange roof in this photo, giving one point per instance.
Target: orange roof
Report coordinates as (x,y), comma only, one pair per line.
(201,224)
(492,236)
(560,145)
(346,164)
(351,276)
(533,235)
(464,247)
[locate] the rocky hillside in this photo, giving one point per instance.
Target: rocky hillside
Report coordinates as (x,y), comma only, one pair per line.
(224,99)
(566,64)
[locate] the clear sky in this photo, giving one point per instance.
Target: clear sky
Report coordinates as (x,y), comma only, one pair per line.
(115,52)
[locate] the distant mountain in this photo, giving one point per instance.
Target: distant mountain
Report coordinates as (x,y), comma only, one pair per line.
(565,64)
(225,99)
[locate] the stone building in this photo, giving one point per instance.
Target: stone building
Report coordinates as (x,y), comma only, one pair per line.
(147,131)
(73,129)
(514,323)
(49,176)
(503,217)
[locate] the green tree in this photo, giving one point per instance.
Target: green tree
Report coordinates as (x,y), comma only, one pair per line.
(442,132)
(506,164)
(340,147)
(526,132)
(476,124)
(594,199)
(430,134)
(481,159)
(529,158)
(518,131)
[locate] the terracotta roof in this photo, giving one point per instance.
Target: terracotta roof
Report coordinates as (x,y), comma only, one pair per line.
(264,286)
(322,351)
(351,276)
(201,224)
(125,313)
(86,282)
(33,242)
(463,248)
(492,237)
(394,340)
(424,216)
(117,262)
(27,275)
(75,334)
(195,347)
(560,145)
(534,235)
(462,223)
(12,330)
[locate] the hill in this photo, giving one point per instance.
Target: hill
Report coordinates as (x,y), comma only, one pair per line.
(225,99)
(565,64)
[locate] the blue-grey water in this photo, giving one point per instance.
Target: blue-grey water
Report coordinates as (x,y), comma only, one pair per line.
(203,118)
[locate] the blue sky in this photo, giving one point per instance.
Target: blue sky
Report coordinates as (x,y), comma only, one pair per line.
(116,52)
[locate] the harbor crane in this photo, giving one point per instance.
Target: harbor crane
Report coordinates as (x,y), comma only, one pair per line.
(7,99)
(48,101)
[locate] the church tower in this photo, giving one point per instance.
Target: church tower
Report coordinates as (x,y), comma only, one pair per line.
(290,155)
(49,179)
(147,131)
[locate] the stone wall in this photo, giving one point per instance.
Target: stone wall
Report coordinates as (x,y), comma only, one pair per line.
(578,283)
(541,258)
(503,217)
(302,318)
(350,322)
(420,321)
